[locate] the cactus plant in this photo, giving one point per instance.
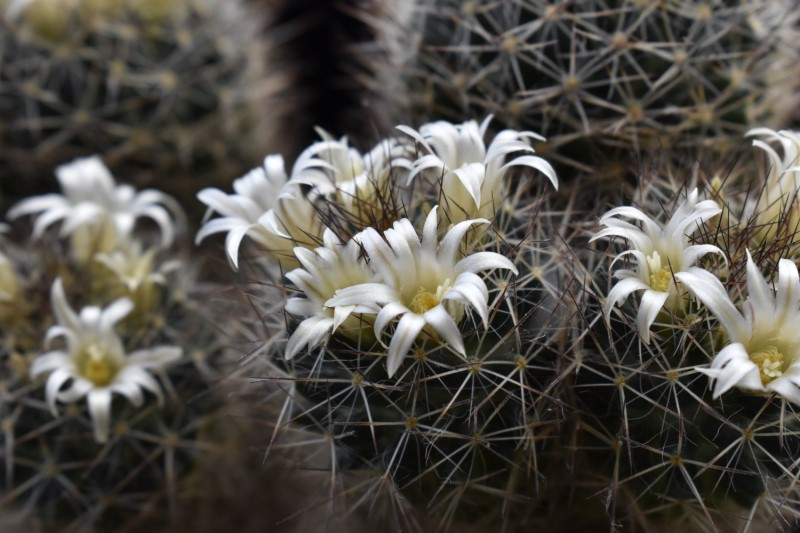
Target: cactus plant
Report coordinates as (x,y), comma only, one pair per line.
(611,78)
(160,89)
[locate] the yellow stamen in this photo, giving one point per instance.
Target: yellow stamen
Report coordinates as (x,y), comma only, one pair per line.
(770,364)
(97,366)
(660,276)
(426,300)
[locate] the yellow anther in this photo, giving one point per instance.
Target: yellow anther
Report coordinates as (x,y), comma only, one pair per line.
(770,364)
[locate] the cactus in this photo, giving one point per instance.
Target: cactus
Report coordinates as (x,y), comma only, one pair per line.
(431,374)
(105,462)
(676,430)
(611,79)
(160,89)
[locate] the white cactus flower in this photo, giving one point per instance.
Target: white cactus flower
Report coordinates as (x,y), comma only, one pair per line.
(96,212)
(472,174)
(660,252)
(94,363)
(9,284)
(763,355)
(421,282)
(265,207)
(341,173)
(323,272)
(777,203)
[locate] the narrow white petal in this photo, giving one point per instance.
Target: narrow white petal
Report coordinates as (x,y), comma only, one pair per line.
(708,289)
(471,177)
(441,321)
(311,332)
(758,291)
(620,292)
(787,385)
(536,163)
(100,408)
(480,261)
(651,304)
(449,245)
(787,298)
(404,335)
(737,370)
(63,312)
(54,383)
(693,253)
(363,294)
(50,361)
(116,311)
(386,315)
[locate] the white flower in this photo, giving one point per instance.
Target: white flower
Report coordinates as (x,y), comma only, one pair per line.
(660,253)
(264,207)
(9,285)
(421,282)
(777,202)
(472,184)
(324,271)
(94,363)
(96,212)
(340,173)
(764,351)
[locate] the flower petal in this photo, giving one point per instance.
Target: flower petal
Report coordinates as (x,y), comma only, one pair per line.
(651,304)
(404,335)
(99,401)
(707,288)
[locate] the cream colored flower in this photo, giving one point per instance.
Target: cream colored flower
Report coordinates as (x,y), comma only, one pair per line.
(93,362)
(660,252)
(356,182)
(421,282)
(95,212)
(322,274)
(265,207)
(763,355)
(472,174)
(777,207)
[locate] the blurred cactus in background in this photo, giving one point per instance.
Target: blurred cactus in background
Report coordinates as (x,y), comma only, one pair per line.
(164,91)
(610,79)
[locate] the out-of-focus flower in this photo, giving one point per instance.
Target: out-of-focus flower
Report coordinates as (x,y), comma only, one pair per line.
(472,174)
(777,207)
(94,363)
(95,212)
(264,207)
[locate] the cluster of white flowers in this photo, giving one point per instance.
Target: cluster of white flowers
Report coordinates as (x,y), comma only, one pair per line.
(374,282)
(100,216)
(762,353)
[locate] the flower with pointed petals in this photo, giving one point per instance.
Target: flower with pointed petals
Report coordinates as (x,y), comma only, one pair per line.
(340,173)
(9,284)
(420,281)
(97,213)
(472,174)
(763,355)
(777,206)
(265,207)
(131,271)
(323,272)
(660,253)
(94,363)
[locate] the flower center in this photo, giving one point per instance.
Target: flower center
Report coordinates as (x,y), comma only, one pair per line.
(770,364)
(97,366)
(426,300)
(660,276)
